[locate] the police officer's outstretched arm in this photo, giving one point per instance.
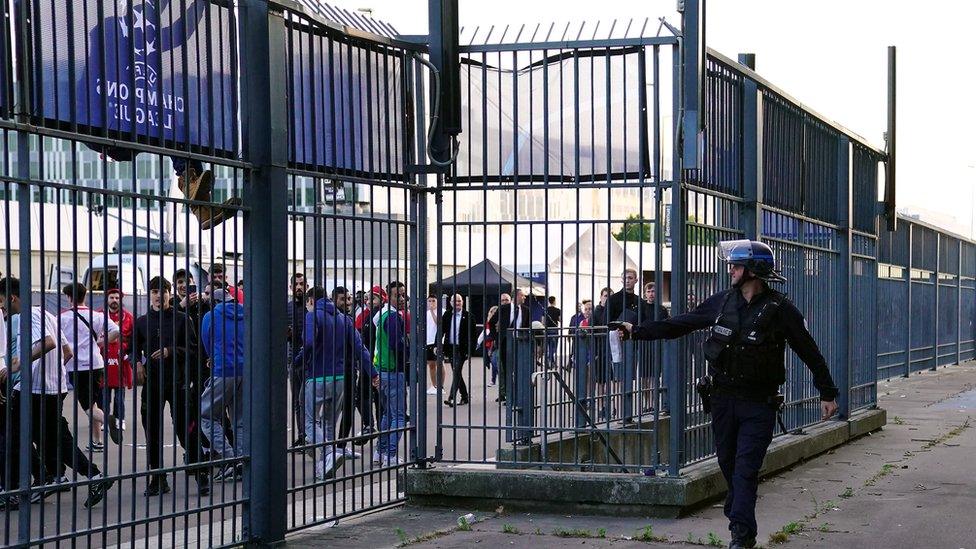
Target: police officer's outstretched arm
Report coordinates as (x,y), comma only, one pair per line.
(806,348)
(672,328)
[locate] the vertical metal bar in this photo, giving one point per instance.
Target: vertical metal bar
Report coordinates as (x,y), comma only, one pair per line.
(24,197)
(676,379)
(959,302)
(844,283)
(935,336)
(419,267)
(265,136)
(692,52)
(750,211)
(908,281)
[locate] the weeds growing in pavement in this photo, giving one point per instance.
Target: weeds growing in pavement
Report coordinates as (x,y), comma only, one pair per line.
(946,436)
(886,470)
(647,535)
(578,533)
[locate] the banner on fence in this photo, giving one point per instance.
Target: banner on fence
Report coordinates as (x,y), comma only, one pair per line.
(158,69)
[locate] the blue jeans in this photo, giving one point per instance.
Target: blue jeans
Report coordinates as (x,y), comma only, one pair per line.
(552,341)
(493,359)
(743,431)
(118,402)
(393,402)
(222,394)
(323,402)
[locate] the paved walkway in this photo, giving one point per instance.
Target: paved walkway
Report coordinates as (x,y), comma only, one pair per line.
(910,485)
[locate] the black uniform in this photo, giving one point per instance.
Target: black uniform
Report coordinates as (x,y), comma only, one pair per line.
(746,358)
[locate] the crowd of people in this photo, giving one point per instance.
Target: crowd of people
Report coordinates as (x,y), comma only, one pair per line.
(348,355)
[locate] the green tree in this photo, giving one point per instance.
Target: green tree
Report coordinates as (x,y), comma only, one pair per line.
(636,229)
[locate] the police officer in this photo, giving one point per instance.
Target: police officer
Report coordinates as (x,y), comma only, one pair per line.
(750,326)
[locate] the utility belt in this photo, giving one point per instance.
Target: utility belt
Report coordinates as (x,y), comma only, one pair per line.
(706,389)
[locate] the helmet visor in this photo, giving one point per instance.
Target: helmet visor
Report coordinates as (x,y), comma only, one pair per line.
(733,250)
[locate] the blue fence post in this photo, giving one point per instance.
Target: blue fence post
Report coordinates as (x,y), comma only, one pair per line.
(959,302)
(752,163)
(935,338)
(24,197)
(908,323)
(264,111)
(843,288)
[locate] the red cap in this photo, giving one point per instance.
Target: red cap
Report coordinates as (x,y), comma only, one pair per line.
(378,290)
(114,291)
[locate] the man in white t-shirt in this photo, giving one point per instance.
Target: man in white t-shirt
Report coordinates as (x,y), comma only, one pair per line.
(49,430)
(88,332)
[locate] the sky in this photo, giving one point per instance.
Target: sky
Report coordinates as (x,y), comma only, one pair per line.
(831,55)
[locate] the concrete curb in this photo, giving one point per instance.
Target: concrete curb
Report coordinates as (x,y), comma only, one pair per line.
(485,487)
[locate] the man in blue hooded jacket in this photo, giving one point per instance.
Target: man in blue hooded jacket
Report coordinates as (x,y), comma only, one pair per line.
(222,332)
(329,334)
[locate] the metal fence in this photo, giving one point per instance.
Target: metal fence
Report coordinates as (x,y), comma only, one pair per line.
(925,299)
(136,146)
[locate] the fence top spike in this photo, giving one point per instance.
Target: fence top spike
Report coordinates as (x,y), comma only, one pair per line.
(519,35)
(551,27)
(491,31)
(504,34)
(565,30)
(580,33)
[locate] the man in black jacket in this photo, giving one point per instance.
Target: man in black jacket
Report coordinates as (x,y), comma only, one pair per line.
(750,327)
(194,304)
(456,327)
(554,316)
(164,338)
(509,317)
(295,309)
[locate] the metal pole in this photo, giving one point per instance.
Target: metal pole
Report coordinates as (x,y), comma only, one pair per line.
(264,122)
(687,63)
(890,197)
(26,282)
(752,162)
(908,324)
(959,303)
(748,60)
(935,336)
(844,287)
(414,81)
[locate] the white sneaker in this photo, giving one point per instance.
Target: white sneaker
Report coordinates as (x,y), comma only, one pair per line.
(432,390)
(491,384)
(351,454)
(391,460)
(377,460)
(327,470)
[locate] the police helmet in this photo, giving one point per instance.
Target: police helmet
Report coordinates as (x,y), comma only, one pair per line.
(755,256)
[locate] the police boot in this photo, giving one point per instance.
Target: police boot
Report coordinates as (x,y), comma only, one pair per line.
(741,537)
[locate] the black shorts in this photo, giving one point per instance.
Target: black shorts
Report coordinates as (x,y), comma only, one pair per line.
(88,387)
(432,352)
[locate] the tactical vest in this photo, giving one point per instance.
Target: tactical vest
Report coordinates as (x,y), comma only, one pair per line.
(748,352)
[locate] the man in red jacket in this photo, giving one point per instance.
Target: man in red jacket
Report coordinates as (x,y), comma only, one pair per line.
(118,368)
